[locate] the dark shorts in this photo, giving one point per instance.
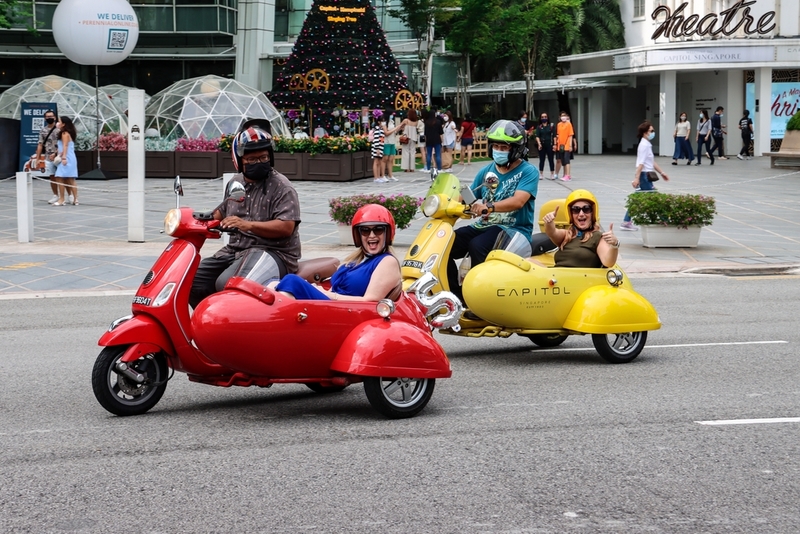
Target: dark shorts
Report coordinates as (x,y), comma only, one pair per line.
(467,142)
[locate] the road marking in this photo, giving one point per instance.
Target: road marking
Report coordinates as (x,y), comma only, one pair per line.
(19,266)
(751,421)
(580,349)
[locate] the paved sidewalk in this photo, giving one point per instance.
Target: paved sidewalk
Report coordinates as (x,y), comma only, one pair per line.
(84,248)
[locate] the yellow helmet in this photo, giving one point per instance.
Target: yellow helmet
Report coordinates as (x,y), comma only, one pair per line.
(582,194)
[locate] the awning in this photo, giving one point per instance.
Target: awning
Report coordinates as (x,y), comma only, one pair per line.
(518,87)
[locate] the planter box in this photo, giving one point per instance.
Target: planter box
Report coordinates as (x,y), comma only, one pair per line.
(87,161)
(669,236)
(345,234)
(159,164)
(290,165)
(197,164)
(115,162)
(337,167)
(225,163)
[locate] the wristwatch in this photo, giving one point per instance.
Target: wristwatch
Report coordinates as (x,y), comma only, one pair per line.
(490,207)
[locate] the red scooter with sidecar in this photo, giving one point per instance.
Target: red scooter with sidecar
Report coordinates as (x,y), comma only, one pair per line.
(250,335)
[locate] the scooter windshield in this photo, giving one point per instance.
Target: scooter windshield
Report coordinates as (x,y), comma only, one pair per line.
(445,184)
(258,266)
(514,242)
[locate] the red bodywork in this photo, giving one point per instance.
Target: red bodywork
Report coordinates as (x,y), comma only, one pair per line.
(250,335)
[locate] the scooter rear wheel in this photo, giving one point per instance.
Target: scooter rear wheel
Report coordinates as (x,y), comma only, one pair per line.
(399,398)
(121,395)
(619,348)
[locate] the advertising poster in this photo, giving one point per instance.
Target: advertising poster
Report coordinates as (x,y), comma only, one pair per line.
(785,102)
(31,123)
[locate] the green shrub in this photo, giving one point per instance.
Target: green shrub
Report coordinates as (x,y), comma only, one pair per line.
(671,210)
(794,122)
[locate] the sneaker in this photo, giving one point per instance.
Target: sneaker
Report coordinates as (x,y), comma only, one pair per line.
(723,157)
(53,200)
(739,156)
(381,180)
(392,179)
(552,176)
(628,226)
(425,170)
(749,157)
(566,178)
(697,164)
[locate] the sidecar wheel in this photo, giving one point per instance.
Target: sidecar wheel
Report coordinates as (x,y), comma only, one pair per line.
(619,348)
(316,387)
(398,398)
(547,340)
(122,396)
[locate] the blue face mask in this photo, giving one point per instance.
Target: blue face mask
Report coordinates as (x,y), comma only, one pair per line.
(500,157)
(651,136)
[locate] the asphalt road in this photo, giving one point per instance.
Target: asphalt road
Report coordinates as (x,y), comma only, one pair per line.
(519,440)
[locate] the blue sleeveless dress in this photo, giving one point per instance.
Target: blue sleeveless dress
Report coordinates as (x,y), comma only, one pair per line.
(70,170)
(351,279)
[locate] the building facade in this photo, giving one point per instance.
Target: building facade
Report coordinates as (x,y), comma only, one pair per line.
(689,55)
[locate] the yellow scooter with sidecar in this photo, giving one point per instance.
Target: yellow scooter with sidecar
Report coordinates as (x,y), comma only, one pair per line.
(507,294)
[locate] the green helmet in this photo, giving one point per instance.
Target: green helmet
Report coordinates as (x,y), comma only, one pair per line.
(510,132)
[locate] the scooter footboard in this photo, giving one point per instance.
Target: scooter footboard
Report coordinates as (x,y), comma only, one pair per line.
(391,349)
(611,310)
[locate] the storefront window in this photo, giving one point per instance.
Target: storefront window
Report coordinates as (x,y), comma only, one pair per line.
(638,9)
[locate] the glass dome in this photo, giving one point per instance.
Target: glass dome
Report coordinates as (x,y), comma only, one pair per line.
(74,100)
(119,96)
(210,106)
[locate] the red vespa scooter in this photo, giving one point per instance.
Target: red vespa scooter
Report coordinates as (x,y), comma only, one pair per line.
(250,335)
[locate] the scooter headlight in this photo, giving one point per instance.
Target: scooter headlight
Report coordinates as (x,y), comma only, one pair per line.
(430,206)
(614,277)
(385,308)
(172,221)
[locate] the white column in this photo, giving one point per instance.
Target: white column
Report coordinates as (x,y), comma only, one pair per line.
(595,121)
(24,207)
(136,165)
(667,95)
(255,37)
(762,122)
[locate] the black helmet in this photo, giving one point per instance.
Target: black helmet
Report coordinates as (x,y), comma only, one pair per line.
(254,135)
(512,133)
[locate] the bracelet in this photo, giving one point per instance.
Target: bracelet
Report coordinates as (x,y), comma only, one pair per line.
(616,245)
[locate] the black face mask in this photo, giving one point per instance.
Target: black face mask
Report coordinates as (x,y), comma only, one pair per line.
(50,121)
(257,172)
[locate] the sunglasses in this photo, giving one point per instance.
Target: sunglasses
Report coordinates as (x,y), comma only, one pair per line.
(366,230)
(578,209)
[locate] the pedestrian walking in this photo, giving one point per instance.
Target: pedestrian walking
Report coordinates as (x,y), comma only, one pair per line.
(67,163)
(746,126)
(48,147)
(564,138)
(717,132)
(433,140)
(646,167)
(389,147)
(703,137)
(545,140)
(376,145)
(408,142)
(466,138)
(683,147)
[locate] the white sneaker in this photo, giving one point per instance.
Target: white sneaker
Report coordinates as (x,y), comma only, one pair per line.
(381,180)
(53,200)
(393,179)
(552,176)
(749,157)
(739,156)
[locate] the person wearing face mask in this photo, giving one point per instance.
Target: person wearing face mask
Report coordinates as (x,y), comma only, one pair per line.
(48,145)
(505,201)
(545,139)
(267,217)
(564,137)
(717,133)
(683,148)
(645,163)
(703,137)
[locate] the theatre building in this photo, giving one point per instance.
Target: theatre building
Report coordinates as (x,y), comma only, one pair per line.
(685,56)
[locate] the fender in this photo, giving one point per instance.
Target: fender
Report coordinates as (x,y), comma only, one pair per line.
(435,239)
(140,329)
(391,348)
(611,310)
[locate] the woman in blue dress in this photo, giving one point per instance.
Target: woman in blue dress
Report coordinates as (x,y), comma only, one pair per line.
(67,168)
(369,274)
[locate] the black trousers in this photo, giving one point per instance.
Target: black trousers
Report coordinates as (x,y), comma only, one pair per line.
(546,152)
(214,272)
(469,240)
(745,151)
(717,145)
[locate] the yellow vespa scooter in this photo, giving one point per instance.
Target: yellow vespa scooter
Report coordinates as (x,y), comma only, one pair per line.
(507,294)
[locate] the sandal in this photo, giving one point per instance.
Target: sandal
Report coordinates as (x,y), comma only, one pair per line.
(58,203)
(75,202)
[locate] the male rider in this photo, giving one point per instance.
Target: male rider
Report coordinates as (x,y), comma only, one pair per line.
(509,205)
(267,218)
(48,143)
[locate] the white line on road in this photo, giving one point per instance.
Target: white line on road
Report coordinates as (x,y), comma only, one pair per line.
(578,349)
(751,421)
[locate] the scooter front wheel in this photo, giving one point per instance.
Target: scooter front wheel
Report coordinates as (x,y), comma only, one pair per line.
(398,398)
(619,348)
(121,395)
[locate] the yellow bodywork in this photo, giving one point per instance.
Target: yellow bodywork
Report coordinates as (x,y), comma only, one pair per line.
(526,298)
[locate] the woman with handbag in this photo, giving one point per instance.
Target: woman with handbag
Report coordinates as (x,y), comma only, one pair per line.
(646,167)
(408,142)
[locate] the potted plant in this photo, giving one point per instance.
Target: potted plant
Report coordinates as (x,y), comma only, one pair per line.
(671,220)
(114,153)
(337,158)
(159,157)
(342,209)
(791,137)
(197,158)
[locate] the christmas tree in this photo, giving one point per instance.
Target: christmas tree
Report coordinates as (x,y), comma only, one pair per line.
(340,61)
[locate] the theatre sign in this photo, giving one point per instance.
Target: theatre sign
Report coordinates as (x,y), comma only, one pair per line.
(677,23)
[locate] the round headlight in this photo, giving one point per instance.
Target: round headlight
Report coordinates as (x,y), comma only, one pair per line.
(430,206)
(171,221)
(385,308)
(614,277)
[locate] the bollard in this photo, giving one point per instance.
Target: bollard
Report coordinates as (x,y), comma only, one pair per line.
(24,207)
(136,166)
(226,177)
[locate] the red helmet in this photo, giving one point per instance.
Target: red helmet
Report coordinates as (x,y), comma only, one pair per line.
(371,214)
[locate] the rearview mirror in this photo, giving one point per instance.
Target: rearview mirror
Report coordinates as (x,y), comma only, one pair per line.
(178,188)
(234,191)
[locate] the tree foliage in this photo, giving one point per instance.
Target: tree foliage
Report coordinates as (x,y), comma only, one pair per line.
(14,12)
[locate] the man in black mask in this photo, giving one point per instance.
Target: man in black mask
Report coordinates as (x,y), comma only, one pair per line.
(267,217)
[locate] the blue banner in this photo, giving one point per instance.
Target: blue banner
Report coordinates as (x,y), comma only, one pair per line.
(785,102)
(32,122)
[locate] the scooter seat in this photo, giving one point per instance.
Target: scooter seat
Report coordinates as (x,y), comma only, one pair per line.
(318,269)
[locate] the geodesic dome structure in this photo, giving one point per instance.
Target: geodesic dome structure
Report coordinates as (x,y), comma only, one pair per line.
(118,94)
(75,100)
(210,106)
